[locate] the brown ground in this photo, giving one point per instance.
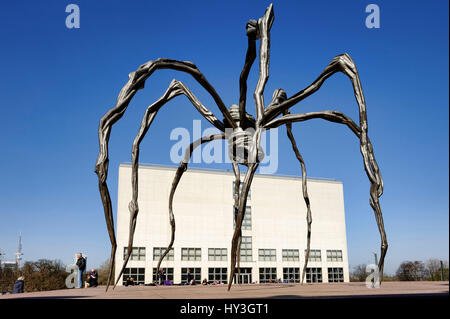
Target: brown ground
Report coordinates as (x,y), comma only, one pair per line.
(247,291)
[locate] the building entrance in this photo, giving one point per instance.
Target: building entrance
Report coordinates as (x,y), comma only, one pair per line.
(244,276)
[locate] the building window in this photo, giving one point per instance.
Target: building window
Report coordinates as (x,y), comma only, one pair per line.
(247,221)
(290,255)
(267,255)
(168,272)
(291,274)
(158,251)
(246,248)
(135,275)
(314,255)
(267,275)
(335,275)
(217,254)
(313,274)
(334,255)
(217,274)
(193,254)
(137,253)
(240,190)
(195,274)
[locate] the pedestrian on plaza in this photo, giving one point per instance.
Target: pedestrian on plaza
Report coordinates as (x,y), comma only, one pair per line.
(81,264)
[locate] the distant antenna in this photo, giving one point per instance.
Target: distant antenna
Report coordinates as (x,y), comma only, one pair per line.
(19,251)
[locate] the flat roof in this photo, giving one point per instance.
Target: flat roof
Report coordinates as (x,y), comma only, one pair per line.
(229,172)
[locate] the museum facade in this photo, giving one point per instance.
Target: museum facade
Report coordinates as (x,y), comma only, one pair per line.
(273,231)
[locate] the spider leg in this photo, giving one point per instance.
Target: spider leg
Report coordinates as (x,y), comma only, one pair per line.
(178,174)
(104,193)
(136,82)
(264,25)
(370,164)
(252,30)
(237,183)
(332,116)
(175,88)
(278,97)
(241,212)
(341,63)
(344,63)
(259,29)
(305,196)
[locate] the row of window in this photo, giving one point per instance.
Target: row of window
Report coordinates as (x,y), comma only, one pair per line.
(266,275)
(220,254)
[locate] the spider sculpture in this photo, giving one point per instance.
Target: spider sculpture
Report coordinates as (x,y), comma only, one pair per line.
(241,130)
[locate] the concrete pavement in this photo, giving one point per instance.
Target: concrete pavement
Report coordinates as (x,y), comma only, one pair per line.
(285,291)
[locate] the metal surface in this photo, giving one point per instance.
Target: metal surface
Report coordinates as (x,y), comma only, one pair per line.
(244,144)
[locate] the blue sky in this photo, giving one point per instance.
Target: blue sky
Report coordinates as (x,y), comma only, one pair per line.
(57,83)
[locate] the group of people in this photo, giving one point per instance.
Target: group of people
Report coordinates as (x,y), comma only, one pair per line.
(129,282)
(215,282)
(91,278)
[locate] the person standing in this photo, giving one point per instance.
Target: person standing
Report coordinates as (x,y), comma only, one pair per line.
(81,264)
(189,277)
(162,277)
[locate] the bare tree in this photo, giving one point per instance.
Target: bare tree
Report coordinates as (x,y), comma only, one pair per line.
(359,273)
(433,267)
(434,271)
(44,275)
(411,271)
(103,272)
(39,275)
(7,278)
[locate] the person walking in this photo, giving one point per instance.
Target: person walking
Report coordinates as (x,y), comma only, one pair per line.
(189,277)
(81,264)
(19,285)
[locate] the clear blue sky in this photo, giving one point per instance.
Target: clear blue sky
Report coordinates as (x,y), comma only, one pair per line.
(57,83)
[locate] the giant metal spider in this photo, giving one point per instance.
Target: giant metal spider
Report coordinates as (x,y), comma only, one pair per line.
(244,138)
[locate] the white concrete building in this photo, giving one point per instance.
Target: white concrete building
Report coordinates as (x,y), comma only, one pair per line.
(274,229)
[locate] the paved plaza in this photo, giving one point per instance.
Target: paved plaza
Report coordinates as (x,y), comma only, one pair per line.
(282,291)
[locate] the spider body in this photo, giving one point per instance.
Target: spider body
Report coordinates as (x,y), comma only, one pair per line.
(243,133)
(241,139)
